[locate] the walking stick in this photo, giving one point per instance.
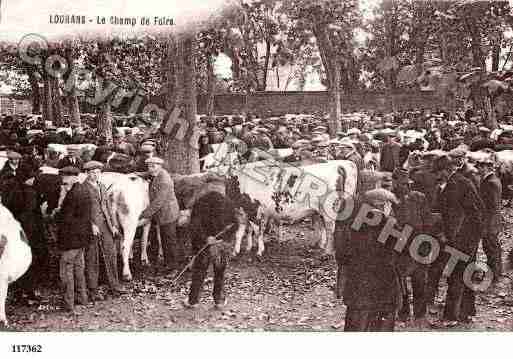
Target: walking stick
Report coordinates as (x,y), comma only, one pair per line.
(189,265)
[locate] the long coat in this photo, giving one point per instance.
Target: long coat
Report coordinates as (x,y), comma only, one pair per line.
(101,210)
(74,219)
(389,156)
(491,193)
(163,203)
(372,281)
(461,209)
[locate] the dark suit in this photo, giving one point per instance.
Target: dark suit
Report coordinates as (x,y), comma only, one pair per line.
(68,161)
(101,215)
(491,193)
(461,212)
(414,210)
(74,224)
(372,290)
(389,156)
(164,211)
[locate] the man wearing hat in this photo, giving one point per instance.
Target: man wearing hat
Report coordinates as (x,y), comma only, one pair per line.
(461,211)
(491,194)
(122,146)
(458,155)
(369,276)
(164,211)
(72,159)
(147,151)
(389,154)
(413,209)
(105,232)
(483,140)
(11,183)
(74,236)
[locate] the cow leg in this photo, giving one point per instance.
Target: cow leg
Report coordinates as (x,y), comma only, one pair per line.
(320,227)
(238,241)
(159,242)
(128,241)
(144,244)
(3,298)
(260,238)
(329,228)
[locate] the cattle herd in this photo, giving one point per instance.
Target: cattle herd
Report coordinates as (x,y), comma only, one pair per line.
(276,169)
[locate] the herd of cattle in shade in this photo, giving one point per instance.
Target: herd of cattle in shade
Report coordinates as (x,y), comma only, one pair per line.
(268,191)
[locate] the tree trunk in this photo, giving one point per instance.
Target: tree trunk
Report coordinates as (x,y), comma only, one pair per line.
(104,118)
(104,124)
(180,133)
(72,99)
(332,69)
(496,52)
(47,100)
(57,102)
(35,93)
(336,106)
(210,86)
(263,86)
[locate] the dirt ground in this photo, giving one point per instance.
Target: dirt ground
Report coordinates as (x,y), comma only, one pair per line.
(290,289)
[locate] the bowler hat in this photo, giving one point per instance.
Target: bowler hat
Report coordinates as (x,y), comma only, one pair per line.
(69,171)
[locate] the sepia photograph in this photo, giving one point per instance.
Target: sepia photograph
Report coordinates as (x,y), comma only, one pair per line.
(247,166)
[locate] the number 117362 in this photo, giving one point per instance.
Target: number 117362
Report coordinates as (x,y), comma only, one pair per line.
(22,348)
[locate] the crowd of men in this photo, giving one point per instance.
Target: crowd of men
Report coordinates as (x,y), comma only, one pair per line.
(442,194)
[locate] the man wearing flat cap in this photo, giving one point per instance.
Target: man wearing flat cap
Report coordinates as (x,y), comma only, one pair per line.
(11,183)
(461,215)
(491,194)
(164,211)
(72,159)
(483,140)
(146,151)
(104,230)
(74,236)
(413,209)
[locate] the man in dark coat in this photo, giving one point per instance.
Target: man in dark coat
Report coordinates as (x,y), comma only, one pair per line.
(461,213)
(482,141)
(74,235)
(389,155)
(72,159)
(212,214)
(370,280)
(104,233)
(414,210)
(491,193)
(164,211)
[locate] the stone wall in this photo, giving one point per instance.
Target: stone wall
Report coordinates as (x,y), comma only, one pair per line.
(306,102)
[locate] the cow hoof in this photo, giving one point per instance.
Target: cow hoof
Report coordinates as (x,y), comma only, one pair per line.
(4,325)
(235,254)
(127,277)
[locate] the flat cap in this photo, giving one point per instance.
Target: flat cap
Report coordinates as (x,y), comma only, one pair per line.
(300,144)
(92,165)
(401,175)
(69,171)
(154,161)
(13,155)
(147,148)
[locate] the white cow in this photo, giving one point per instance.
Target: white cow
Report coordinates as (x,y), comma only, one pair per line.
(281,191)
(15,255)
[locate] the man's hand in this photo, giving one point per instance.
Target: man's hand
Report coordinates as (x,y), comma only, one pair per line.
(115,232)
(96,230)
